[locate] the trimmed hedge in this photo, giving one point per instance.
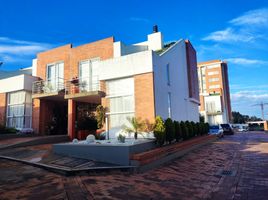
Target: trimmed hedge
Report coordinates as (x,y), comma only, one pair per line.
(169,131)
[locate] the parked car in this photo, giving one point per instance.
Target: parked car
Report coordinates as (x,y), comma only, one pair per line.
(227,129)
(216,130)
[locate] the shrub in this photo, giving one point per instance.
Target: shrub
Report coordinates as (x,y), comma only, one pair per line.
(190,129)
(184,131)
(207,128)
(170,130)
(197,125)
(178,134)
(159,131)
(194,129)
(87,123)
(203,128)
(100,115)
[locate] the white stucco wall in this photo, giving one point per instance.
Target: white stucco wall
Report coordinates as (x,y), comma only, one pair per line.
(182,108)
(16,83)
(126,66)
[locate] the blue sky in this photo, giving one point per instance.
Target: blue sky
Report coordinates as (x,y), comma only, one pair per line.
(236,31)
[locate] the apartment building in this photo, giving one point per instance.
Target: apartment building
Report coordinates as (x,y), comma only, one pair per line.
(214,92)
(16,98)
(142,80)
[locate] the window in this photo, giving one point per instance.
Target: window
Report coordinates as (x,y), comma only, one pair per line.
(213,79)
(214,86)
(168,74)
(169,105)
(120,94)
(55,76)
(213,73)
(89,74)
(19,110)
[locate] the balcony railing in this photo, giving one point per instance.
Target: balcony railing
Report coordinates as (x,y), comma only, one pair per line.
(48,86)
(82,85)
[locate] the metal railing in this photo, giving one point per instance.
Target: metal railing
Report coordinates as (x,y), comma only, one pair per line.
(81,85)
(48,86)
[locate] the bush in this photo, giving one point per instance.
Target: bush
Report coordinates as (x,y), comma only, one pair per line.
(170,130)
(198,130)
(87,123)
(190,129)
(178,134)
(159,131)
(194,129)
(7,130)
(206,128)
(184,131)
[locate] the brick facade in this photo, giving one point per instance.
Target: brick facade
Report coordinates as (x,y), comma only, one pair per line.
(71,57)
(144,96)
(3,102)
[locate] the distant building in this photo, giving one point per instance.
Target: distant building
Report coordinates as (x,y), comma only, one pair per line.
(16,98)
(215,103)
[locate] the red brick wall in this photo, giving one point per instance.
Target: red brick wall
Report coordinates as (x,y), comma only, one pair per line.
(102,49)
(144,96)
(3,108)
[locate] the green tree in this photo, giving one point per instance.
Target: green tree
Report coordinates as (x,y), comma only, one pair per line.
(184,130)
(100,115)
(177,130)
(159,131)
(170,130)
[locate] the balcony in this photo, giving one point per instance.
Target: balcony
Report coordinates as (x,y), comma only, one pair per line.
(214,112)
(49,89)
(84,90)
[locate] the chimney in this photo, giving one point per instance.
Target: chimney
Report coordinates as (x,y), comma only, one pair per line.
(155,29)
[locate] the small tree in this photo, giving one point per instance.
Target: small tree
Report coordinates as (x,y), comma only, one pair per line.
(197,124)
(184,130)
(206,128)
(136,126)
(159,131)
(190,129)
(177,130)
(194,128)
(100,115)
(170,130)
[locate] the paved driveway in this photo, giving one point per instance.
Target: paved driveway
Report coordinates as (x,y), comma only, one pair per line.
(235,167)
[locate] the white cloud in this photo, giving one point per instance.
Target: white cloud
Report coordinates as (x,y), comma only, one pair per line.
(248,27)
(229,35)
(139,19)
(250,96)
(253,17)
(19,51)
(246,61)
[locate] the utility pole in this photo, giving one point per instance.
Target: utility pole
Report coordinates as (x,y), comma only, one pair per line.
(262,108)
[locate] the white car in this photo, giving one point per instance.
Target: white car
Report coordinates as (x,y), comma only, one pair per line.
(216,130)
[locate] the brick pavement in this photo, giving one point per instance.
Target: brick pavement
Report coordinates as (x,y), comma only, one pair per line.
(195,176)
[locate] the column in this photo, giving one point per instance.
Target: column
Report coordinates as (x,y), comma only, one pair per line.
(71,118)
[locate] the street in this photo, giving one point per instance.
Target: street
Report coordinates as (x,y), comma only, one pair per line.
(235,167)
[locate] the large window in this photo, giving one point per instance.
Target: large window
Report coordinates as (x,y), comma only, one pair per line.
(55,76)
(89,74)
(120,94)
(19,110)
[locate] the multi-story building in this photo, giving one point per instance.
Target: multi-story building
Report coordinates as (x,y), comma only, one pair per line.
(16,98)
(142,80)
(215,104)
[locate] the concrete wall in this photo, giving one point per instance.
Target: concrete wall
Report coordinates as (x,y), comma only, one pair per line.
(16,83)
(126,66)
(182,108)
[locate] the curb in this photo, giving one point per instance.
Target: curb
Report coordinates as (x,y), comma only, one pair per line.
(71,172)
